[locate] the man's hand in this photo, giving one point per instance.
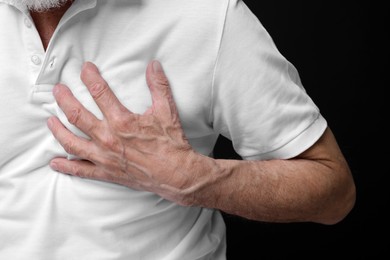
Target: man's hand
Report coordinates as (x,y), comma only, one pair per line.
(145,152)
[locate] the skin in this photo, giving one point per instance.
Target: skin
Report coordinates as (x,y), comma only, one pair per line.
(150,152)
(47,21)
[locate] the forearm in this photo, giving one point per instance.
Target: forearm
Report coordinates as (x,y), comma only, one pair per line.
(275,191)
(294,190)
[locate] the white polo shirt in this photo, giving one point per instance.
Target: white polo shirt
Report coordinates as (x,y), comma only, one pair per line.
(227,78)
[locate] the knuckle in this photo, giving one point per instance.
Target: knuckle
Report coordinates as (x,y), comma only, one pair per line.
(160,80)
(77,171)
(68,145)
(74,116)
(98,89)
(151,126)
(117,120)
(109,142)
(122,124)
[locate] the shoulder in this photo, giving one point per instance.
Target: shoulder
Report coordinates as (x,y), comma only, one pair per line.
(197,16)
(193,8)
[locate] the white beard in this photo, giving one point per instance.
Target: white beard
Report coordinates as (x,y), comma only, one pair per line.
(42,5)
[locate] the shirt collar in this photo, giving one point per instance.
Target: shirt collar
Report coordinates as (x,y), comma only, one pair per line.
(77,7)
(15,4)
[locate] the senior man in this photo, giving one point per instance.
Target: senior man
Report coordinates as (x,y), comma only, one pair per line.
(74,99)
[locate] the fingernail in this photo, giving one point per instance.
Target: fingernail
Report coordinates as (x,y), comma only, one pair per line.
(157,68)
(54,166)
(56,89)
(89,66)
(50,122)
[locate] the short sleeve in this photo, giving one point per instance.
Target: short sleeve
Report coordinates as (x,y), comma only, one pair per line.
(258,100)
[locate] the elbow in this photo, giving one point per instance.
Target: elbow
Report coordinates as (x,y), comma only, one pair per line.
(340,201)
(341,209)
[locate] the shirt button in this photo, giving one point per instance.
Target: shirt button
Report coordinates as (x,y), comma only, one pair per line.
(27,23)
(35,59)
(52,64)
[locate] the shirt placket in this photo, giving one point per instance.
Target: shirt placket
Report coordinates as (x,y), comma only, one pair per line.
(36,53)
(40,94)
(44,66)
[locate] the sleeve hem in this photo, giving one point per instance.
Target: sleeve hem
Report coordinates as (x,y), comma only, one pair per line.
(296,146)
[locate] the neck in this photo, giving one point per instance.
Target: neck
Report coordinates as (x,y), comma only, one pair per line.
(47,21)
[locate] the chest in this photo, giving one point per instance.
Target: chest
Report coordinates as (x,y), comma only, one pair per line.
(121,52)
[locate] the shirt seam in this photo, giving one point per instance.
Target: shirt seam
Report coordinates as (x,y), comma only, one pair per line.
(210,117)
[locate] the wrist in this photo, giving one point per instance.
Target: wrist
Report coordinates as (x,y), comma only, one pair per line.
(205,178)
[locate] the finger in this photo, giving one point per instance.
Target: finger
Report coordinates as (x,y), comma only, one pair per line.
(106,100)
(79,168)
(82,169)
(76,113)
(160,90)
(71,143)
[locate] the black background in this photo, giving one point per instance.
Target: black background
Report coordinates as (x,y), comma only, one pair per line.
(341,52)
